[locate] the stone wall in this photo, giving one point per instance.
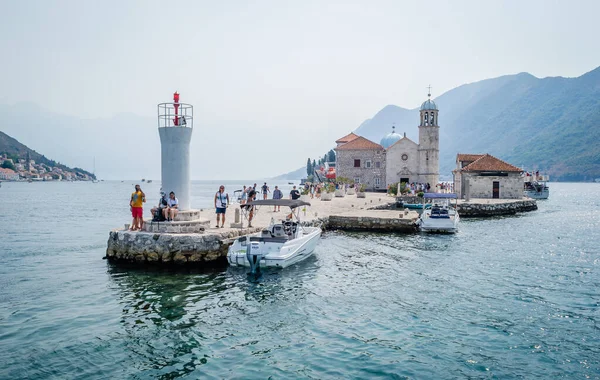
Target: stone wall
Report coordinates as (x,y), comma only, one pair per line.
(396,167)
(511,186)
(141,247)
(345,166)
(495,209)
(371,224)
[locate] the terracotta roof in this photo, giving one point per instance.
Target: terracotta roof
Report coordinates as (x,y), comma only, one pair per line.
(360,143)
(489,163)
(347,138)
(7,171)
(468,157)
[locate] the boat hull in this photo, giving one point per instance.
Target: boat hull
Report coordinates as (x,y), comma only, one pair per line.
(533,194)
(445,225)
(278,255)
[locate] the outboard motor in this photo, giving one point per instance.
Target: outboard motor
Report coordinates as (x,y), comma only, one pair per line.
(254,254)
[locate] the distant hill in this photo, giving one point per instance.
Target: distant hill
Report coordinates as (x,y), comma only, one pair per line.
(296,174)
(14,149)
(550,124)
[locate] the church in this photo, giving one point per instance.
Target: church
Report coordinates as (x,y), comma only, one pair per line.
(396,158)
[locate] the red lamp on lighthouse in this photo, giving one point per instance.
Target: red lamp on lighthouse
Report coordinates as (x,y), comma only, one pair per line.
(176,106)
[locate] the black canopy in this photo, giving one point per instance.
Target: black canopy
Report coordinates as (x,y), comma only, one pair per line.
(291,203)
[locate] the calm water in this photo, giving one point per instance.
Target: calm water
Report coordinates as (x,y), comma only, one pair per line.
(514,297)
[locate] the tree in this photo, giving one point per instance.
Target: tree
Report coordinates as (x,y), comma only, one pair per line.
(331,156)
(308,167)
(314,165)
(8,165)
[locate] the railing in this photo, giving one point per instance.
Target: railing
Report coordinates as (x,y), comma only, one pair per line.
(174,115)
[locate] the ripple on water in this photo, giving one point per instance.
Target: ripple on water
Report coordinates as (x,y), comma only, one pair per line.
(512,297)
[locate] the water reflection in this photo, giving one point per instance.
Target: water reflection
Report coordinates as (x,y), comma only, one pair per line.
(173,320)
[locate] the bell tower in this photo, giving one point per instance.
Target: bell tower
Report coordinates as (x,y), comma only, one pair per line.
(429,143)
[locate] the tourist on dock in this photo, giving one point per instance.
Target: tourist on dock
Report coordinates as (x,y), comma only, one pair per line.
(251,197)
(265,190)
(170,212)
(221,203)
(244,196)
(157,212)
(277,194)
(318,191)
(294,194)
(136,205)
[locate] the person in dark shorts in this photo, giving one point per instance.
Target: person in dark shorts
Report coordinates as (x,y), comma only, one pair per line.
(265,190)
(251,197)
(221,203)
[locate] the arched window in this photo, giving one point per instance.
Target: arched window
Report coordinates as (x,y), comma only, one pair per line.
(432,119)
(426,118)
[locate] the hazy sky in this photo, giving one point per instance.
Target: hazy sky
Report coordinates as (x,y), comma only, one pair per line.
(286,70)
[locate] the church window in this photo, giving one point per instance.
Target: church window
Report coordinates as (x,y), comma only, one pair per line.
(432,118)
(357,163)
(368,164)
(404,157)
(426,156)
(378,164)
(426,118)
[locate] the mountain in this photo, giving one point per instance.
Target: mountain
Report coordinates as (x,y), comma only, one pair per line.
(14,149)
(120,144)
(296,174)
(550,124)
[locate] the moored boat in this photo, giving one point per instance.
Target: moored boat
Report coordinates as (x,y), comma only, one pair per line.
(279,245)
(535,186)
(441,216)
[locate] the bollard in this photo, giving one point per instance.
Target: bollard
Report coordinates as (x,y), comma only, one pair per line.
(237,215)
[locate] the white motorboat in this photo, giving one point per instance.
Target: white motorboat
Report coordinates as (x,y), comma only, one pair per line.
(280,244)
(536,186)
(441,216)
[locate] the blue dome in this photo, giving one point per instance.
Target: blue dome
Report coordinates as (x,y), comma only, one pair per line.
(390,139)
(428,105)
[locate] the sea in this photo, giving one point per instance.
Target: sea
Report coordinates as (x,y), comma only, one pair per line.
(515,297)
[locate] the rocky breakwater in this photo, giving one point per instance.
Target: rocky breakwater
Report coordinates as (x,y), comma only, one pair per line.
(485,208)
(171,248)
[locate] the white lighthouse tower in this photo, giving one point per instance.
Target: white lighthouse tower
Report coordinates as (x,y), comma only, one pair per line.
(175,125)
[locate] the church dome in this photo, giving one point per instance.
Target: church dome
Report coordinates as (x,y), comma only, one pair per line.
(428,105)
(390,139)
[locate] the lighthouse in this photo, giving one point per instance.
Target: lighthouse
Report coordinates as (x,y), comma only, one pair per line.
(175,125)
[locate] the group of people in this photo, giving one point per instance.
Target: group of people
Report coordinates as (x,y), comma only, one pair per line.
(167,207)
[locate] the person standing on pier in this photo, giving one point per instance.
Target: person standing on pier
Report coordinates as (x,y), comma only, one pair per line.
(265,190)
(221,203)
(251,197)
(294,194)
(277,194)
(136,206)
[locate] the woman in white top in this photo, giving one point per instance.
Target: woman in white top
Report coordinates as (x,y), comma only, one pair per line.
(170,212)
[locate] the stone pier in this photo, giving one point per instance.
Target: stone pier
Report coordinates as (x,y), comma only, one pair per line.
(193,239)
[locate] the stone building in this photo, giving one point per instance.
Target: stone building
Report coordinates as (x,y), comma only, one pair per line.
(402,160)
(485,176)
(363,161)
